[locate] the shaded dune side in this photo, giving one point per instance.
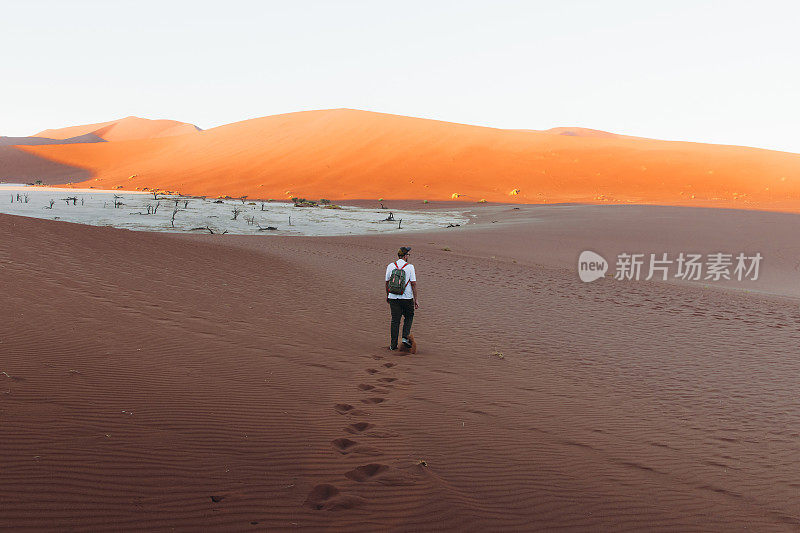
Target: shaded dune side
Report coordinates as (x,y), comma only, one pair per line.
(229,382)
(153,383)
(17,165)
(348,154)
(158,383)
(36,141)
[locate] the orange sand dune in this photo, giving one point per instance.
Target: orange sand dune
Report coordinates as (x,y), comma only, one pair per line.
(346,154)
(124,129)
(580,132)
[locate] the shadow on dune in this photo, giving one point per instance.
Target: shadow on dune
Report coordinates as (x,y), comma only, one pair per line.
(37,141)
(19,166)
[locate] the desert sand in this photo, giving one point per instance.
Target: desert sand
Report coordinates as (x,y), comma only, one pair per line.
(18,165)
(125,129)
(154,381)
(346,154)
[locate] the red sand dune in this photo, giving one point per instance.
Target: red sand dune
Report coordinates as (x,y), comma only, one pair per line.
(124,129)
(151,382)
(346,154)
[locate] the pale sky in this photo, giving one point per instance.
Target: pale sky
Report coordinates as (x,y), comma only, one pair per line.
(709,71)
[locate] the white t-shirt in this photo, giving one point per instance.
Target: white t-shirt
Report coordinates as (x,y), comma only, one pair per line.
(410,276)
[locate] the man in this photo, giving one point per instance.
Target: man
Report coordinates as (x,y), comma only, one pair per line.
(401,295)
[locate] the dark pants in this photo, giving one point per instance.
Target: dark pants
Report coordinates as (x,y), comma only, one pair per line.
(401,307)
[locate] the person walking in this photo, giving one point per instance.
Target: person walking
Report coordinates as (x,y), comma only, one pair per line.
(401,295)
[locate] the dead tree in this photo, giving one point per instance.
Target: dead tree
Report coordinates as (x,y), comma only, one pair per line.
(117,202)
(236,212)
(185,204)
(262,206)
(205,228)
(26,198)
(174,212)
(51,204)
(390,217)
(155,195)
(400,222)
(155,209)
(208,229)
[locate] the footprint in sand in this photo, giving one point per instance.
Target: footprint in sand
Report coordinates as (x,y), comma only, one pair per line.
(347,409)
(359,427)
(346,446)
(389,365)
(387,380)
(374,400)
(343,408)
(366,472)
(372,388)
(383,474)
(325,497)
(343,444)
(372,371)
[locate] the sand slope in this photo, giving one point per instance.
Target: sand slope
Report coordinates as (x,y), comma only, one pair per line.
(205,382)
(30,167)
(123,129)
(18,166)
(36,141)
(344,154)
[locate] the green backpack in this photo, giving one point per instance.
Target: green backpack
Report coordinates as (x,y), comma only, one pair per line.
(397,281)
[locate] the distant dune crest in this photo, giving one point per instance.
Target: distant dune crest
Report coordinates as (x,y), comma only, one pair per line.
(581,132)
(343,154)
(125,129)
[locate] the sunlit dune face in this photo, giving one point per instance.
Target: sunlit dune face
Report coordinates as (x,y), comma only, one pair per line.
(347,154)
(125,129)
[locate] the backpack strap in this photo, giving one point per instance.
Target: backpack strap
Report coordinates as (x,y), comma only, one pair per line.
(401,268)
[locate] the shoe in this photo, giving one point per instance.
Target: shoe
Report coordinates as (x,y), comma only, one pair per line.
(393,349)
(407,343)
